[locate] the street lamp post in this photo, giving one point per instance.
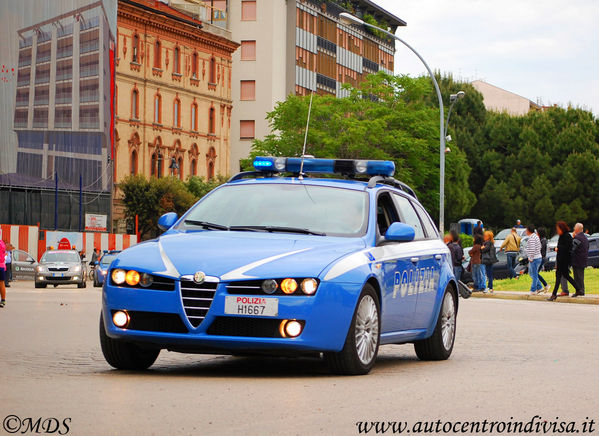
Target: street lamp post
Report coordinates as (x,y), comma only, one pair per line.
(453,98)
(349,19)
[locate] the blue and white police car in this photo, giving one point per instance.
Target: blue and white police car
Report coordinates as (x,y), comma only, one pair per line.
(277,263)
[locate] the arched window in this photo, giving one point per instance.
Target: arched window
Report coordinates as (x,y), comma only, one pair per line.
(157,55)
(212,121)
(135,104)
(154,165)
(212,70)
(194,167)
(158,109)
(177,61)
(180,162)
(177,113)
(133,162)
(135,49)
(210,163)
(160,164)
(194,117)
(194,65)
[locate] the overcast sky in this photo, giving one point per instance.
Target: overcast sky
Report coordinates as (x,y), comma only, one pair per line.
(540,49)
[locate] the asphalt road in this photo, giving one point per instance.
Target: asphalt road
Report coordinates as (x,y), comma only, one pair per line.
(512,359)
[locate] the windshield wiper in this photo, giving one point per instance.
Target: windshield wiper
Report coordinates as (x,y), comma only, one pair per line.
(278,229)
(206,225)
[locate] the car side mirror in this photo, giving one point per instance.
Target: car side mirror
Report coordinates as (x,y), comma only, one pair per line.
(400,232)
(167,220)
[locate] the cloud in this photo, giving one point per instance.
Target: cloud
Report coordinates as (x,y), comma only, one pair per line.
(539,49)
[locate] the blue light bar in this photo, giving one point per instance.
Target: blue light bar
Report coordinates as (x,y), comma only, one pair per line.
(325,166)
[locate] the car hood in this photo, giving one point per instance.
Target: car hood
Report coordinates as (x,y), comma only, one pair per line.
(60,264)
(237,255)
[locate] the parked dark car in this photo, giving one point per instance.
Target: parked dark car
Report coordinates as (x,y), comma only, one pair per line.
(593,255)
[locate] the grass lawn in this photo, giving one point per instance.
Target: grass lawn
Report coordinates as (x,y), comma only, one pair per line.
(591,282)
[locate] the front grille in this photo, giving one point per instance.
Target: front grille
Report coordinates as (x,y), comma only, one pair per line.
(197,299)
(156,322)
(58,279)
(57,269)
(247,327)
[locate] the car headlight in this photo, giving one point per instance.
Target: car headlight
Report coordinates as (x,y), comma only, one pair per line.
(309,286)
(132,278)
(40,268)
(288,286)
(76,268)
(146,280)
(118,276)
(104,272)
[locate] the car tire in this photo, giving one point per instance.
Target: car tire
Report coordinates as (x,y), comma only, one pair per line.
(354,359)
(40,285)
(125,355)
(440,345)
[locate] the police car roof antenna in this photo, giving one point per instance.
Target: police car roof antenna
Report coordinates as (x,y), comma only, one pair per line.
(301,172)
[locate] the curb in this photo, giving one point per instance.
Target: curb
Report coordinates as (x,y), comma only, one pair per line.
(513,296)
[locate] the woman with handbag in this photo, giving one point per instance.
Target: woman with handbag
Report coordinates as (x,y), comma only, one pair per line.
(489,257)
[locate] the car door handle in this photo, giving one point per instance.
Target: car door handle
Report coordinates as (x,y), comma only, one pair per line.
(438,257)
(415,259)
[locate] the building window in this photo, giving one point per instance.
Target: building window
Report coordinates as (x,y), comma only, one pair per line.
(194,65)
(194,167)
(194,117)
(248,10)
(248,50)
(158,109)
(177,61)
(153,165)
(248,90)
(157,55)
(210,162)
(212,121)
(212,70)
(133,168)
(135,104)
(247,129)
(135,49)
(177,113)
(180,163)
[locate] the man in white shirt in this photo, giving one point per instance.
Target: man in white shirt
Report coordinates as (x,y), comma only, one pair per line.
(533,252)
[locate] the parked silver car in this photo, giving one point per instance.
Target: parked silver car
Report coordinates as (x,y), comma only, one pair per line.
(60,267)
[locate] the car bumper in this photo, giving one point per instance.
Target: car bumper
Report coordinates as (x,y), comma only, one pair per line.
(67,279)
(327,317)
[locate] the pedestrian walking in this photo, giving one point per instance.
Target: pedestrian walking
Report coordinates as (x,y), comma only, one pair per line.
(563,259)
(489,258)
(543,237)
(476,263)
(2,273)
(580,257)
(535,258)
(457,254)
(511,245)
(8,263)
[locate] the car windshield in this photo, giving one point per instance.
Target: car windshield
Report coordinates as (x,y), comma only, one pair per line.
(275,207)
(66,257)
(503,234)
(107,259)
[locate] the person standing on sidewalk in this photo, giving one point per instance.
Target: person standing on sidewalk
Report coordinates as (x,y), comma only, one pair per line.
(476,263)
(563,259)
(2,273)
(533,252)
(543,237)
(580,257)
(489,257)
(457,254)
(511,245)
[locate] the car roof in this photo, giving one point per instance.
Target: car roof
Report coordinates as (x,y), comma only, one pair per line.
(356,185)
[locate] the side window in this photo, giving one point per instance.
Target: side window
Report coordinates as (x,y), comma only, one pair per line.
(429,227)
(409,215)
(385,212)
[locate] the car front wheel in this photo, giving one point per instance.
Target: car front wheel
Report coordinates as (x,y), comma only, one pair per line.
(362,343)
(440,345)
(125,355)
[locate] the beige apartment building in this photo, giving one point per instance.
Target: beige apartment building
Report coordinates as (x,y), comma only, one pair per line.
(497,99)
(292,46)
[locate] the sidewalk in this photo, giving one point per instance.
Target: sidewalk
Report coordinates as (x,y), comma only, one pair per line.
(511,295)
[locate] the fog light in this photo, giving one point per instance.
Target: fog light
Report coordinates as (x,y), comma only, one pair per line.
(269,286)
(290,328)
(75,277)
(146,280)
(309,286)
(132,278)
(289,286)
(120,318)
(118,276)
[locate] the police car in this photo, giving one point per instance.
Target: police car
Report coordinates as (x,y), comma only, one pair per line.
(277,262)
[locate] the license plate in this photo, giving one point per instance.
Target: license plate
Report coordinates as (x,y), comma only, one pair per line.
(57,275)
(252,306)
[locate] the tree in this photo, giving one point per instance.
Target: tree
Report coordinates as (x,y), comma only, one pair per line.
(387,117)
